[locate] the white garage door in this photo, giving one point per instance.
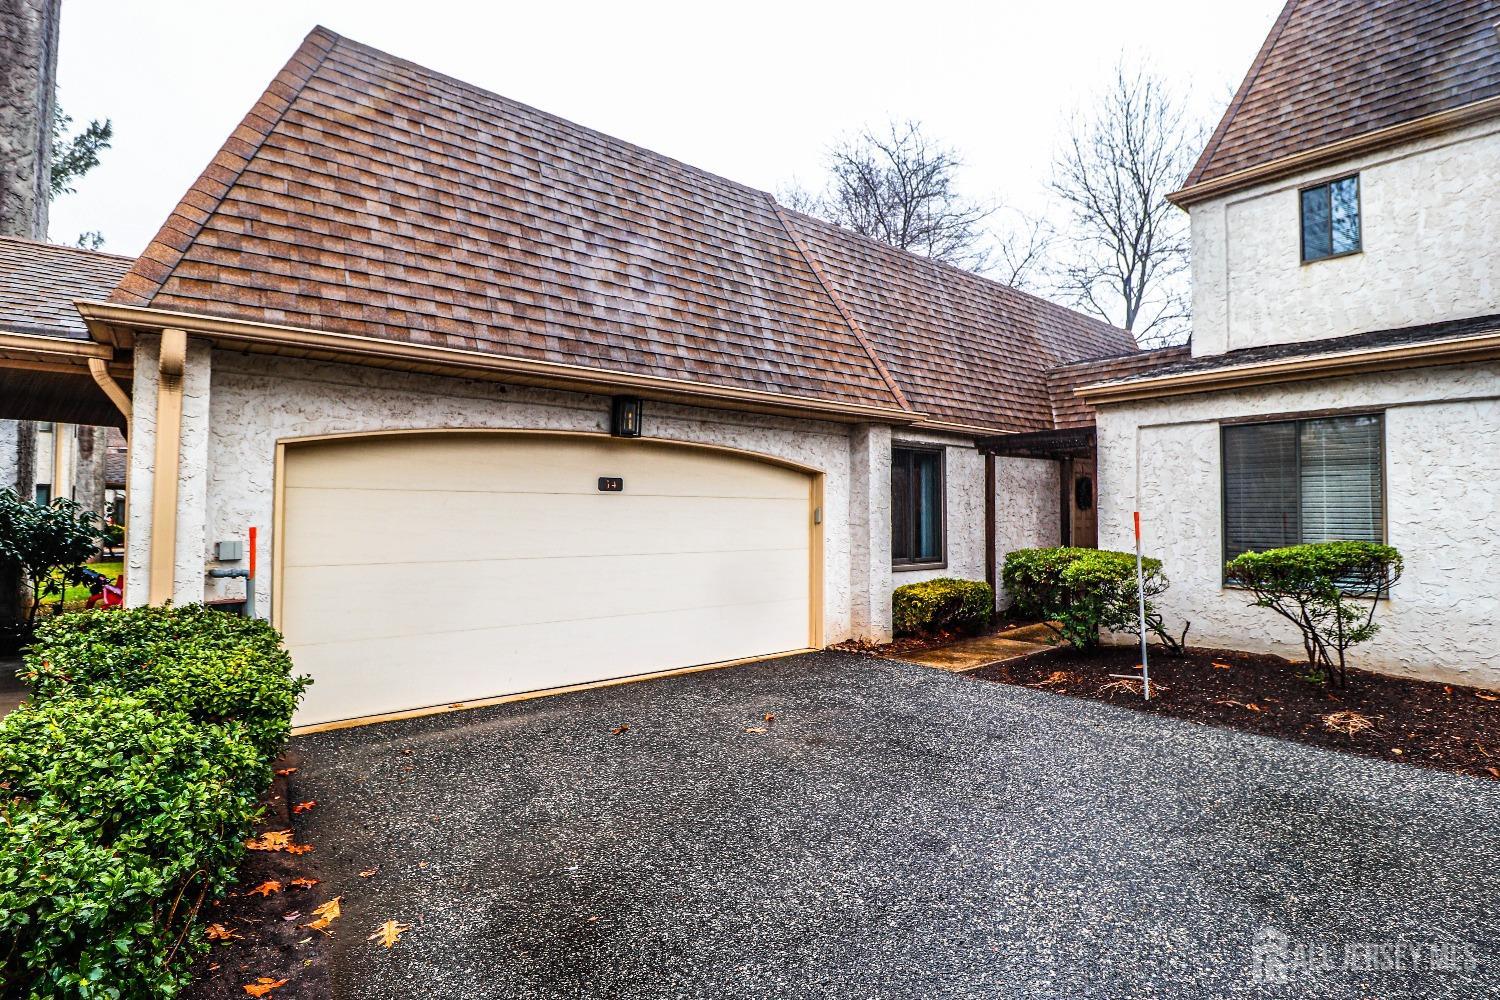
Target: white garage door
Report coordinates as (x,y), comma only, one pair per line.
(421,570)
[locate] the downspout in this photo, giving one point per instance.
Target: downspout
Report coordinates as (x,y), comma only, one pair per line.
(170,366)
(990,506)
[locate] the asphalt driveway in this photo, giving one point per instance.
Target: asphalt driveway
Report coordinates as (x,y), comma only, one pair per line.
(897,832)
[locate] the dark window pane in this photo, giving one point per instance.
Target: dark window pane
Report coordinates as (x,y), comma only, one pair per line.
(1344,202)
(928,471)
(1341,494)
(1260,487)
(901,512)
(1316,239)
(916,506)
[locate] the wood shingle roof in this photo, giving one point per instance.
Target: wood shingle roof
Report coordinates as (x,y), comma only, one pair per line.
(369,196)
(1332,70)
(39,282)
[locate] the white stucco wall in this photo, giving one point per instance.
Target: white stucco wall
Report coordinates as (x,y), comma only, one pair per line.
(1430,218)
(1442,507)
(1028,509)
(963,471)
(237,407)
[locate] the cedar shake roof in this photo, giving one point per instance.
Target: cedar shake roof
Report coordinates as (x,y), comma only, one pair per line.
(39,282)
(366,195)
(962,348)
(1069,411)
(1335,69)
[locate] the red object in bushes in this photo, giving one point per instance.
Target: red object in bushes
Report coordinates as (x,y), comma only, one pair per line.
(111,595)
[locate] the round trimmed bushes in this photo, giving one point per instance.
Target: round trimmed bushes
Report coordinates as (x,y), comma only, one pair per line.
(944,603)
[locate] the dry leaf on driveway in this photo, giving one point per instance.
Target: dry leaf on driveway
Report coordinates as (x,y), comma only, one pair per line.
(326,914)
(287,771)
(265,888)
(304,883)
(622,728)
(271,840)
(218,932)
(389,933)
(369,871)
(302,807)
(755,729)
(263,986)
(298,848)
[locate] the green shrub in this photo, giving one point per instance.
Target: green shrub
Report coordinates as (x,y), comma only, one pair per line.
(211,665)
(1319,588)
(121,820)
(131,783)
(944,603)
(1086,591)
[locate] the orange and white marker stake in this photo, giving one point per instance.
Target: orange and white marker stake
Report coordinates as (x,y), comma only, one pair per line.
(1140,592)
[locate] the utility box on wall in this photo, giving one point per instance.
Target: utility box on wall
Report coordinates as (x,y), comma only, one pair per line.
(230,551)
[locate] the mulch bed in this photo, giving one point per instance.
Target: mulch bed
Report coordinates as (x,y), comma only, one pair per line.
(270,939)
(1443,726)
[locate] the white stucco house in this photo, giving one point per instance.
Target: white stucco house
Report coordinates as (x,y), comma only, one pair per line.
(1344,373)
(513,405)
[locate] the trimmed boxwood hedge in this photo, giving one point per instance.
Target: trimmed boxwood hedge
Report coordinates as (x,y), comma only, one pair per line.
(1086,591)
(943,603)
(130,783)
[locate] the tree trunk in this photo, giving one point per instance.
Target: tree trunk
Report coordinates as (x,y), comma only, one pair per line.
(28,94)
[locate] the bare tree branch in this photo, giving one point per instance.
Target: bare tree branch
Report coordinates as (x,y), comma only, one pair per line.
(897,186)
(1128,246)
(1023,252)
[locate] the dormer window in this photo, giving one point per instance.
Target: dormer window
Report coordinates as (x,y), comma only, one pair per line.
(1330,219)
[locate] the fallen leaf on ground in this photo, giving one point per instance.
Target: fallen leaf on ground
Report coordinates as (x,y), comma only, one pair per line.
(265,984)
(265,888)
(302,807)
(271,840)
(218,932)
(298,848)
(369,871)
(289,917)
(421,864)
(755,729)
(770,716)
(304,883)
(1221,666)
(325,914)
(619,729)
(1397,750)
(389,932)
(1348,722)
(1250,706)
(286,771)
(1494,771)
(1486,696)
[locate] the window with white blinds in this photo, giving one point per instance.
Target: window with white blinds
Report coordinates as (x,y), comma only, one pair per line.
(1300,481)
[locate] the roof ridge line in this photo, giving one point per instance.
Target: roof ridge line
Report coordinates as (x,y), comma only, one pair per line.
(170,244)
(1251,75)
(838,302)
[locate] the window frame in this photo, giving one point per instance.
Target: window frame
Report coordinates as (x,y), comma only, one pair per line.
(911,563)
(1298,418)
(1359,213)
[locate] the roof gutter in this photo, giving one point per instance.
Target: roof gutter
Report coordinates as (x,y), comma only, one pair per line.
(1457,350)
(1392,135)
(302,342)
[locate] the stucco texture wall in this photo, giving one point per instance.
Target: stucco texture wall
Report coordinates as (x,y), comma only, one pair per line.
(255,402)
(1028,508)
(1442,472)
(1430,217)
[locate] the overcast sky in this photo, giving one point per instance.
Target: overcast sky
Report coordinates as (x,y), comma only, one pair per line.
(754,90)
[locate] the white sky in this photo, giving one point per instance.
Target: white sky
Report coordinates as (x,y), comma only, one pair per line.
(753,90)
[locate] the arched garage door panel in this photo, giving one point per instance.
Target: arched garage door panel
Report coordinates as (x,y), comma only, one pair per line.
(422,570)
